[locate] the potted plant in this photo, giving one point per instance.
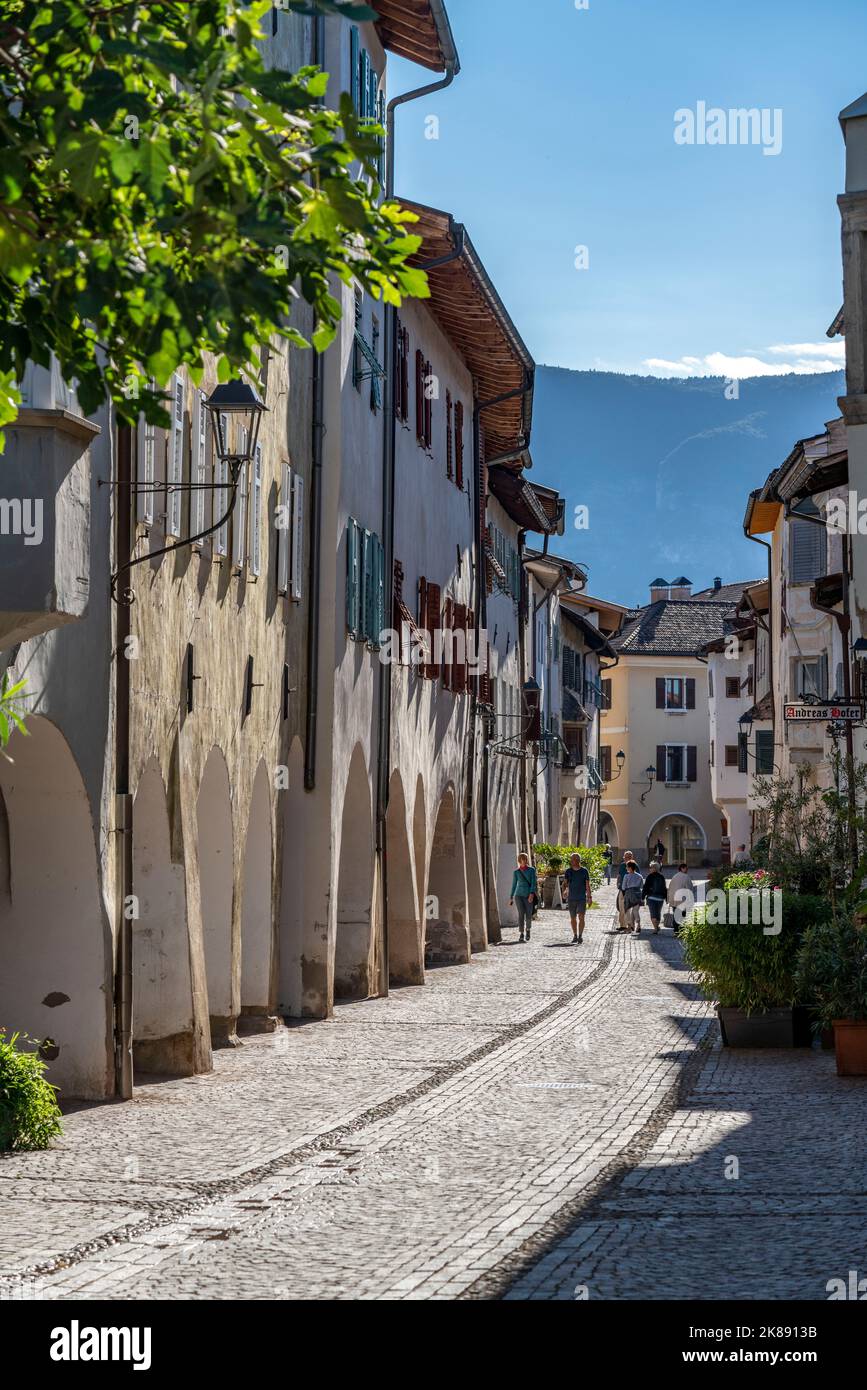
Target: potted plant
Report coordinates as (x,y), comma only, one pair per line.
(751,973)
(832,973)
(554,869)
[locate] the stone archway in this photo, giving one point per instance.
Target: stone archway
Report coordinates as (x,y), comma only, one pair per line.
(476,909)
(419,842)
(353,959)
(447,937)
(258,955)
(682,836)
(55,955)
(405,914)
(608,833)
(507,859)
(216,889)
(162,997)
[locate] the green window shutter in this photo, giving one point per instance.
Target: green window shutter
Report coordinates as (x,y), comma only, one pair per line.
(373,93)
(352,578)
(381,118)
(366,586)
(378,578)
(364,79)
(354,68)
(764,752)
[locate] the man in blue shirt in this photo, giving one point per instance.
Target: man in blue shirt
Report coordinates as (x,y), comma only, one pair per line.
(580,897)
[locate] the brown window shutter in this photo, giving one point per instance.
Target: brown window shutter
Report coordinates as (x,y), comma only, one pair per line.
(460,630)
(433,624)
(459,444)
(660,762)
(690,692)
(660,692)
(449,440)
(448,651)
(605,762)
(428,407)
(419,396)
(691,764)
(422,617)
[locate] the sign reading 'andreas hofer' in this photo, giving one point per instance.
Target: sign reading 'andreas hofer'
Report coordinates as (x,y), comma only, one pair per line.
(824,713)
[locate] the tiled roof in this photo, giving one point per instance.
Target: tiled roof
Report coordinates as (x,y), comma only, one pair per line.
(727,593)
(672,627)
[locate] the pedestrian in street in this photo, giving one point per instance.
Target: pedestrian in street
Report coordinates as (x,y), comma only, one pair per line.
(681,896)
(633,885)
(608,858)
(660,851)
(580,896)
(654,893)
(524,892)
(621,874)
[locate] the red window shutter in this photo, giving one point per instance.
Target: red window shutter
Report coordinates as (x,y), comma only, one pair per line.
(428,407)
(690,692)
(470,632)
(660,762)
(605,762)
(404,376)
(691,764)
(459,445)
(422,615)
(459,683)
(433,623)
(660,692)
(419,395)
(449,443)
(399,374)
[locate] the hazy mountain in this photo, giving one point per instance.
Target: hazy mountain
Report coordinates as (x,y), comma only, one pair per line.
(665,468)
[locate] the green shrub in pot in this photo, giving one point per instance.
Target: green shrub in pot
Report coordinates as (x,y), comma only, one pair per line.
(832,972)
(743,968)
(29,1113)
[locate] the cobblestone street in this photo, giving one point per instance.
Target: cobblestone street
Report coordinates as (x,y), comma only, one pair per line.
(546,1120)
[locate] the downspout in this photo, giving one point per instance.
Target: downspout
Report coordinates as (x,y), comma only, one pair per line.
(389,450)
(123,797)
(522,680)
(769,626)
(315,580)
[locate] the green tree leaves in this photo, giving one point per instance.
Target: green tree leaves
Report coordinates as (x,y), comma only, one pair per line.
(164,196)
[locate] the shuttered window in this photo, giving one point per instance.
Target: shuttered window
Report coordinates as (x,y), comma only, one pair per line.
(221,495)
(401,374)
(297,536)
(449,437)
(354,61)
(605,762)
(174,494)
(459,445)
(419,396)
(807,547)
(283,523)
(365,584)
(428,405)
(354,535)
(764,752)
(256,515)
(146,440)
(200,465)
(239,515)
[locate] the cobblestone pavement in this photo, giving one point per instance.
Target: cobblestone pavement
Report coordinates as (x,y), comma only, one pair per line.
(546,1120)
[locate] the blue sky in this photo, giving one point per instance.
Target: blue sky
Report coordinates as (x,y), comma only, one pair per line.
(559,132)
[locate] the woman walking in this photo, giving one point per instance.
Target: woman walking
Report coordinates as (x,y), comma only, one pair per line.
(633,884)
(580,896)
(524,891)
(621,874)
(654,893)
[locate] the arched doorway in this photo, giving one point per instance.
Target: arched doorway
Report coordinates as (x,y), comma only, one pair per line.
(55,957)
(291,810)
(162,991)
(353,959)
(608,833)
(682,838)
(257,912)
(405,930)
(447,937)
(478,917)
(419,842)
(216,889)
(507,859)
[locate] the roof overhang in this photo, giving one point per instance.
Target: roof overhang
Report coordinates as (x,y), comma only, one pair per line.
(549,569)
(827,592)
(468,309)
(593,638)
(418,30)
(611,615)
(761,516)
(530,506)
(756,599)
(832,472)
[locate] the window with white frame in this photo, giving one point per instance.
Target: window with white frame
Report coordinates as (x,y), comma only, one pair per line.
(675,692)
(256,515)
(297,536)
(199,466)
(221,494)
(239,516)
(810,678)
(146,442)
(675,762)
(174,493)
(283,525)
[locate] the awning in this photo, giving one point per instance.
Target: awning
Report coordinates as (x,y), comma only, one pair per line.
(418,30)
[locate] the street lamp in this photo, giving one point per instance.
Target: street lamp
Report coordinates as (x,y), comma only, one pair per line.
(235,400)
(650,774)
(745,723)
(620,759)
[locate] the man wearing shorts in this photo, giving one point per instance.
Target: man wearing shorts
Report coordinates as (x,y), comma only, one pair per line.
(580,896)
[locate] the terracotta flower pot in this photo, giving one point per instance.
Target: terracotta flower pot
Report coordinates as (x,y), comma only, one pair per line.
(850,1046)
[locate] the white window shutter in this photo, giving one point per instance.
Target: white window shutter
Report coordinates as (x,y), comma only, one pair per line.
(256,515)
(239,516)
(221,495)
(200,455)
(284,534)
(146,441)
(297,535)
(174,495)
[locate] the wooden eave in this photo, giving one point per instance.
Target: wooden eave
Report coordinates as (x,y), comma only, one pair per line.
(469,311)
(408,28)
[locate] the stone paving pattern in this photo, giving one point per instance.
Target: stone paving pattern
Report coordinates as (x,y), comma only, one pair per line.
(548,1122)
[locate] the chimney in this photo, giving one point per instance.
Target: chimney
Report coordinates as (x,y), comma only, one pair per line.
(658,589)
(717,585)
(681,588)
